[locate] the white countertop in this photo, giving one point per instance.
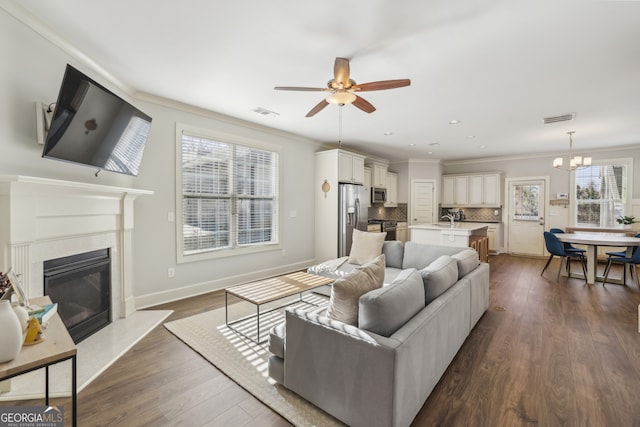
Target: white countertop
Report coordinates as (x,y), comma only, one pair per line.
(463,228)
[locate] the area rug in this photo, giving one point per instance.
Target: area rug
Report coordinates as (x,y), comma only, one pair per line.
(246,362)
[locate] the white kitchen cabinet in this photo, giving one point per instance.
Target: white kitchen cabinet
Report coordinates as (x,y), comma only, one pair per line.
(392,190)
(350,167)
(448,190)
(462,189)
(367,185)
(475,190)
(331,168)
(492,232)
(379,175)
(491,190)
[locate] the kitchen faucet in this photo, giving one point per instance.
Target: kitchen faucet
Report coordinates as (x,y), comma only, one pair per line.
(451,217)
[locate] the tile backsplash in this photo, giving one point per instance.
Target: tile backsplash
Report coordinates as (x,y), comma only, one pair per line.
(398,214)
(478,214)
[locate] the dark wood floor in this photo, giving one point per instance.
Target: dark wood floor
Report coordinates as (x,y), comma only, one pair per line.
(558,354)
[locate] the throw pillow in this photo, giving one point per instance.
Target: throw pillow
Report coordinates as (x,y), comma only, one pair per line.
(365,246)
(467,260)
(346,291)
(439,276)
(383,311)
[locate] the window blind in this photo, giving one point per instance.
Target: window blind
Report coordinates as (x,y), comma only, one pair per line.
(229,195)
(601,193)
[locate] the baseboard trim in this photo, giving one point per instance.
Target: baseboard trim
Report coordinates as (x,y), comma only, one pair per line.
(150,300)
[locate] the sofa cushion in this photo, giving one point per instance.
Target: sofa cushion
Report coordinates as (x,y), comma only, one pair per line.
(393,251)
(383,311)
(346,291)
(420,255)
(467,260)
(439,276)
(276,339)
(365,247)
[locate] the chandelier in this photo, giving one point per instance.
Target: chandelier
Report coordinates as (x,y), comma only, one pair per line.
(575,162)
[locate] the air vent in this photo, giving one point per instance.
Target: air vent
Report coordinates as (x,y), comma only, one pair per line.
(560,118)
(265,112)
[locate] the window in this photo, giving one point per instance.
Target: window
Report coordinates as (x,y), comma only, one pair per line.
(601,192)
(229,196)
(526,202)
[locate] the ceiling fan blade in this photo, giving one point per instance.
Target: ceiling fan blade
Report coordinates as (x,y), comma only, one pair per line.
(364,105)
(317,108)
(341,72)
(305,89)
(382,85)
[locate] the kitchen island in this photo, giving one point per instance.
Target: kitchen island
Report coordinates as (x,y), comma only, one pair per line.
(461,234)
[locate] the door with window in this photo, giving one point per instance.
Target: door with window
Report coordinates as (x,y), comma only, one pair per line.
(526,216)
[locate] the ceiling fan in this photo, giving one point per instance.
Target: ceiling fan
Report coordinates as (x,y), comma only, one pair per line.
(343,89)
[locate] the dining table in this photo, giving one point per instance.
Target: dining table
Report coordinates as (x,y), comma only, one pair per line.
(592,240)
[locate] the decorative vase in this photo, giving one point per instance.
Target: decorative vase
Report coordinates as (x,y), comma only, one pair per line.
(11,333)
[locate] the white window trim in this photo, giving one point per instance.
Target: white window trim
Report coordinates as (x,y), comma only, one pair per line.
(628,161)
(232,139)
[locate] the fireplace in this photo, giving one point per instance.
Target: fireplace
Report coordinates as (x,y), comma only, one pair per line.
(81,285)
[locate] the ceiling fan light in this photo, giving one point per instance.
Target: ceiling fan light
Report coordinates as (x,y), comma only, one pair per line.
(341,98)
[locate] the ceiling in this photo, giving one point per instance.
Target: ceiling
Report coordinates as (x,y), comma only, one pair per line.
(497,66)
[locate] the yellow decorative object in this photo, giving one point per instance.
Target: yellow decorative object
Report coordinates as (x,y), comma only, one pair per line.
(34,332)
(325,187)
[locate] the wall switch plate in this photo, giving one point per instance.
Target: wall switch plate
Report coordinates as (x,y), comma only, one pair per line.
(171,272)
(171,217)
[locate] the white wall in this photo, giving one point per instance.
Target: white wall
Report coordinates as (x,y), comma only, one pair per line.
(32,69)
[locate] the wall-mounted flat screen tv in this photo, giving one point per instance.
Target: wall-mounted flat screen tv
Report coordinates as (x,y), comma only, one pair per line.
(93,126)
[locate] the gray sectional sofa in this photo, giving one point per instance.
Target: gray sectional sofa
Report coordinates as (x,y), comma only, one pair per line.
(380,372)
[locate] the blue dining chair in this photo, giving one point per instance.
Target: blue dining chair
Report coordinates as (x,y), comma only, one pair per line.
(621,257)
(568,247)
(556,248)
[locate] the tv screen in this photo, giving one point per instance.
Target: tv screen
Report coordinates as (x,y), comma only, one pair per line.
(93,126)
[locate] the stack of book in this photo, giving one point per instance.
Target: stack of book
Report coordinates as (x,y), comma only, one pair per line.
(43,313)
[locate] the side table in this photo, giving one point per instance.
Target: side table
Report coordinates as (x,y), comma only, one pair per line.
(57,347)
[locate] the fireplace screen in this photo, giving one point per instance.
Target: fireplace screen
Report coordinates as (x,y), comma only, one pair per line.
(81,285)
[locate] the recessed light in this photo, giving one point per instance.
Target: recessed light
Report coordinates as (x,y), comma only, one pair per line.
(388,133)
(434,144)
(429,152)
(471,136)
(412,145)
(454,122)
(483,147)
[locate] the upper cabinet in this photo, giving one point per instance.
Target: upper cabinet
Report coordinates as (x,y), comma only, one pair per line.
(367,184)
(379,175)
(392,190)
(492,195)
(350,167)
(481,190)
(455,190)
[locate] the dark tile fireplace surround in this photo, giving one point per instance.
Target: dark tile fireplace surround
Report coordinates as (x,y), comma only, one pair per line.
(81,285)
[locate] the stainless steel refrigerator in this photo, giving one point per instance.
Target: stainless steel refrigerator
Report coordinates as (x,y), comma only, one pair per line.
(352,210)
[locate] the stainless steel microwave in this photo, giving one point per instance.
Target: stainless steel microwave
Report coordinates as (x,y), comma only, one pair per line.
(378,195)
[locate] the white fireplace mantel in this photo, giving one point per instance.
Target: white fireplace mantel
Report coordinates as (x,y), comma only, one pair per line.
(43,219)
